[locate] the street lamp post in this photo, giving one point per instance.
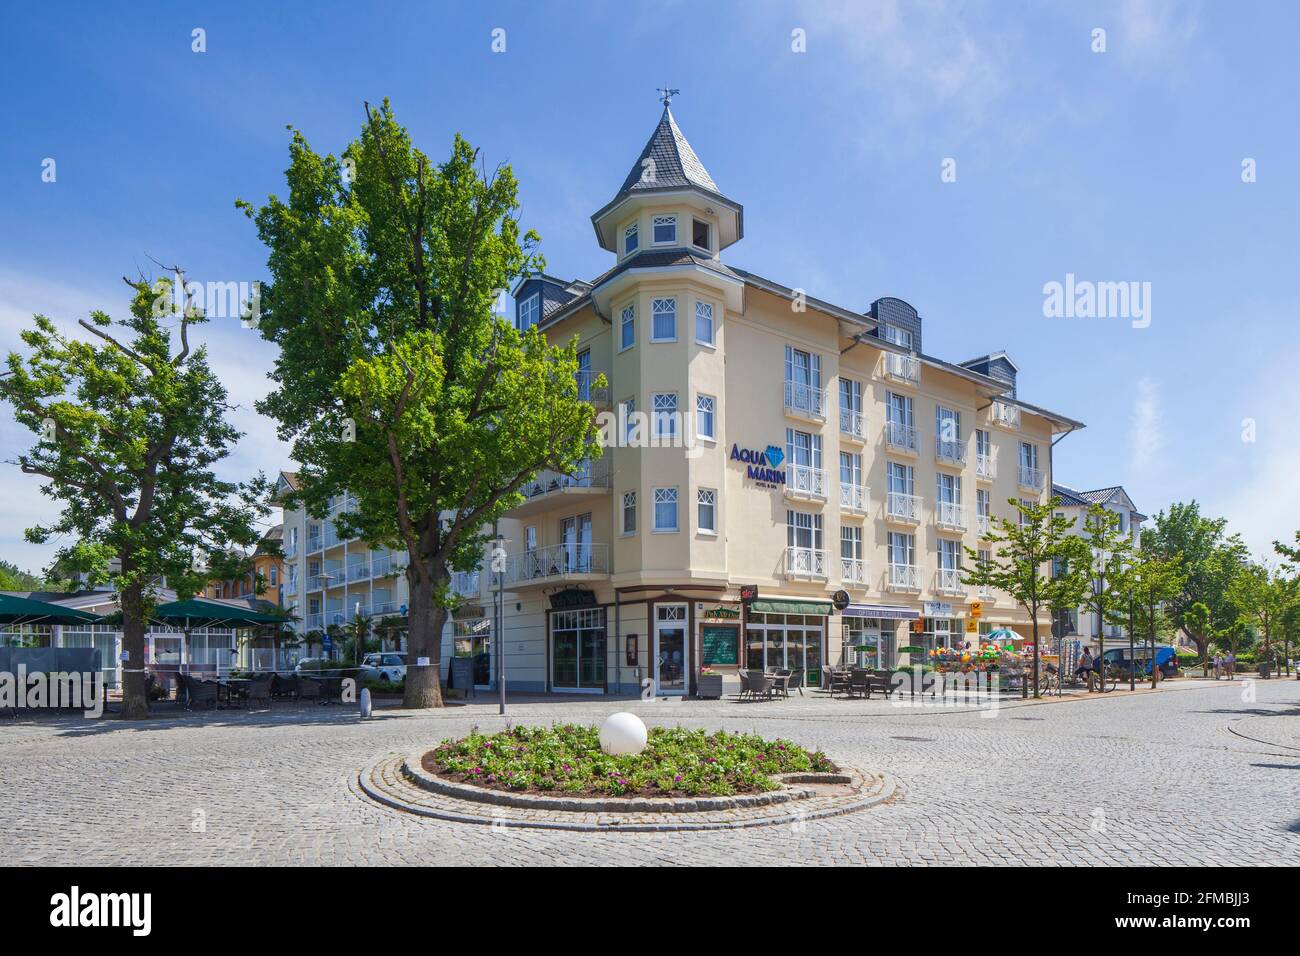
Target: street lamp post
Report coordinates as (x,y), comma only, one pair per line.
(498,613)
(1099,591)
(1132,651)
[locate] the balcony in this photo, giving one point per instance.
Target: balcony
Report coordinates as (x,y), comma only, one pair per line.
(549,487)
(589,391)
(313,542)
(982,524)
(950,515)
(853,425)
(805,563)
(853,571)
(988,594)
(805,481)
(466,583)
(903,508)
(900,437)
(385,607)
(948,581)
(950,452)
(1008,416)
(805,401)
(853,498)
(903,577)
(313,622)
(1031,478)
(902,368)
(290,550)
(555,563)
(986,467)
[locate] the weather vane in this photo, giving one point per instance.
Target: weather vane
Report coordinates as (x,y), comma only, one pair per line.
(666,95)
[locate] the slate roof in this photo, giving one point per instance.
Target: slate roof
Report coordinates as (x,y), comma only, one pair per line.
(1069,496)
(675,163)
(1098,496)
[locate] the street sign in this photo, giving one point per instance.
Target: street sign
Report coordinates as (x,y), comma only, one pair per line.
(972,626)
(748,594)
(976,610)
(841,600)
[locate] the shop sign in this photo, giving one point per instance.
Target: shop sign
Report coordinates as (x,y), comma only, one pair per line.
(840,600)
(976,610)
(937,609)
(570,598)
(762,465)
(465,612)
(748,593)
(972,626)
(723,613)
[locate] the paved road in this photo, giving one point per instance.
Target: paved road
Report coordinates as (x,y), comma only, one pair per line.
(1191,774)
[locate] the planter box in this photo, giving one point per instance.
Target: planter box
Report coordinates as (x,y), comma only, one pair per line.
(709,686)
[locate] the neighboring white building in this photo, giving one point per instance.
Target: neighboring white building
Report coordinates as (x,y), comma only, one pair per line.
(1082,623)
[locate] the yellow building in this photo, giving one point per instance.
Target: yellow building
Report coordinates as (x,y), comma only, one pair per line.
(757,436)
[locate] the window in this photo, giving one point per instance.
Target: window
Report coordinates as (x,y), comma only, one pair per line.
(528,311)
(583,375)
(275,575)
(627,328)
(704,323)
(1028,456)
(949,554)
(631,431)
(803,448)
(665,509)
(983,447)
(630,239)
(949,488)
(629,512)
(530,538)
(700,234)
(803,530)
(665,414)
(803,368)
(902,548)
(663,320)
(850,469)
(947,424)
(708,510)
(898,409)
(899,477)
(982,502)
(850,542)
(899,336)
(704,409)
(665,230)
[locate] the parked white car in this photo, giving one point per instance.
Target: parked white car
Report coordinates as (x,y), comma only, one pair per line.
(387,666)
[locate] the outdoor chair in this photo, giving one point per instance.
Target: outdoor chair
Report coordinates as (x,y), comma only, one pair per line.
(199,691)
(308,688)
(744,684)
(760,685)
(258,691)
(795,681)
(859,682)
(838,681)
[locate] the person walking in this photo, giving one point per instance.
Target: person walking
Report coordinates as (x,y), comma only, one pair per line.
(1218,664)
(1230,664)
(1084,669)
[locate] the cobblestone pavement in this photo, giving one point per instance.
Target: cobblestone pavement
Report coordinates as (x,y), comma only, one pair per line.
(1196,773)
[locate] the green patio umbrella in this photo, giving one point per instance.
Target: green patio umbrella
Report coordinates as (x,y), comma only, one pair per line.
(20,610)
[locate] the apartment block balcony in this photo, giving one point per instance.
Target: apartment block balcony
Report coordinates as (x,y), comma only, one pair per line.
(314,542)
(987,594)
(588,391)
(1008,416)
(853,571)
(902,508)
(466,583)
(556,563)
(1032,478)
(950,515)
(382,608)
(290,550)
(900,437)
(903,368)
(948,581)
(805,563)
(589,478)
(805,481)
(853,498)
(853,425)
(313,622)
(983,523)
(950,452)
(805,401)
(903,577)
(986,467)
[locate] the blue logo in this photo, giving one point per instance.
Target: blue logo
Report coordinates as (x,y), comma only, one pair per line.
(763,467)
(774,456)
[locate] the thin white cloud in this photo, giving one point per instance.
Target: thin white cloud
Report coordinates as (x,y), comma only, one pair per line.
(1152,33)
(1145,435)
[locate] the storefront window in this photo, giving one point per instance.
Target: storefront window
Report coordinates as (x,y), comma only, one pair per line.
(785,642)
(578,649)
(473,639)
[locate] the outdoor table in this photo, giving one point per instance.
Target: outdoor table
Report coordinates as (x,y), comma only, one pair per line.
(232,684)
(779,682)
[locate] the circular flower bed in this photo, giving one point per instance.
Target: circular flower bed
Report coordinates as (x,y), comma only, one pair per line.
(568,760)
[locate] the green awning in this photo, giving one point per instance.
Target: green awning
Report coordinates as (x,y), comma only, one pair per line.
(204,612)
(20,610)
(773,606)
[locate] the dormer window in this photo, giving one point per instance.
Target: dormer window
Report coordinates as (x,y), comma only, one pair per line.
(700,234)
(630,240)
(665,230)
(528,311)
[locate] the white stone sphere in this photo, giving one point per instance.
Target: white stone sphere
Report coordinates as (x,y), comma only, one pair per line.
(622,733)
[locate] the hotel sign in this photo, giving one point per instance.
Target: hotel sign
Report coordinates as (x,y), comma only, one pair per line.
(722,613)
(762,465)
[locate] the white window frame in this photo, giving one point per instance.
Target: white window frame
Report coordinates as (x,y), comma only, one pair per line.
(629,508)
(626,323)
(708,226)
(665,496)
(658,307)
(658,221)
(629,420)
(706,498)
(661,413)
(712,412)
(631,232)
(530,306)
(707,309)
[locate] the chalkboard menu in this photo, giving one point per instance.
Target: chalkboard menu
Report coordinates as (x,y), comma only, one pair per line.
(462,674)
(719,644)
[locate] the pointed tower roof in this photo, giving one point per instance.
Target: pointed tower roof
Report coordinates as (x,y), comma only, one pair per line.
(668,164)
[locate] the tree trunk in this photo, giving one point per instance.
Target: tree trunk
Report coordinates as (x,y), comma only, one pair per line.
(424,640)
(135,698)
(1035,633)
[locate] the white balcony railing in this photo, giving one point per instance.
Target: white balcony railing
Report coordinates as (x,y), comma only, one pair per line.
(313,542)
(948,580)
(588,391)
(904,368)
(853,571)
(1031,478)
(313,622)
(987,592)
(804,399)
(986,467)
(853,424)
(949,514)
(1006,415)
(952,452)
(382,565)
(901,507)
(805,563)
(465,583)
(381,608)
(982,524)
(587,474)
(906,577)
(290,550)
(805,481)
(900,437)
(556,561)
(853,497)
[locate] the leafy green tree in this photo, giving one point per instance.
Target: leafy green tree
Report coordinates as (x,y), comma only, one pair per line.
(1263,594)
(130,426)
(1110,553)
(396,382)
(1156,581)
(1208,556)
(13,579)
(1198,624)
(1021,559)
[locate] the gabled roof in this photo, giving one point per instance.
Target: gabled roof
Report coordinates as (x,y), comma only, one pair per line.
(991,356)
(1068,496)
(672,160)
(1115,494)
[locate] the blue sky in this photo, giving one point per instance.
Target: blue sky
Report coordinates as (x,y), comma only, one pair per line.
(1117,166)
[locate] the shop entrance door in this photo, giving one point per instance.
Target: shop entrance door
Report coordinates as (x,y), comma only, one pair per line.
(671,658)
